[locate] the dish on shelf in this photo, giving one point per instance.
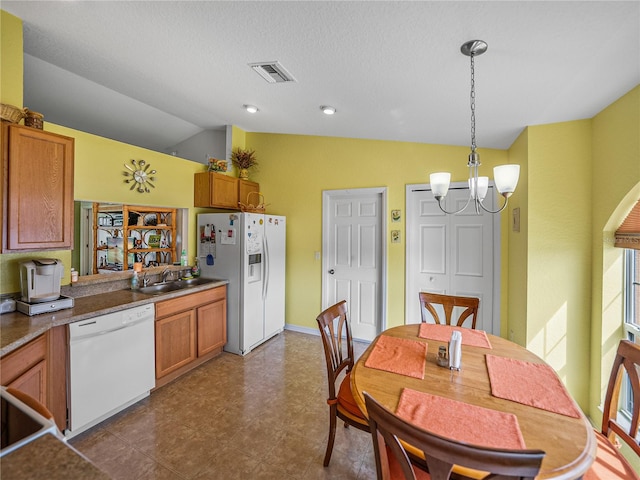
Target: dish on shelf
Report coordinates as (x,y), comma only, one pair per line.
(154,241)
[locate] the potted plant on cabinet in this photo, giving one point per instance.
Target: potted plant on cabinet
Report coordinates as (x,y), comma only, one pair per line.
(244,159)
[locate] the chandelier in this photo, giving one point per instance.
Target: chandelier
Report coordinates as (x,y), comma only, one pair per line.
(506,176)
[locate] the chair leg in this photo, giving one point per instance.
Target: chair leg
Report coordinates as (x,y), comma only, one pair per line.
(332,435)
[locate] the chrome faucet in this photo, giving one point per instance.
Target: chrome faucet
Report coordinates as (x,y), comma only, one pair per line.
(165,273)
(145,280)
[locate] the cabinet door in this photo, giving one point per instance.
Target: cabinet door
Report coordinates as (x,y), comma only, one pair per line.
(33,382)
(245,187)
(225,191)
(212,326)
(26,369)
(215,190)
(175,342)
(39,210)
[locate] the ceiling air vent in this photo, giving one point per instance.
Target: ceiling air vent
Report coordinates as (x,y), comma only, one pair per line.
(272,72)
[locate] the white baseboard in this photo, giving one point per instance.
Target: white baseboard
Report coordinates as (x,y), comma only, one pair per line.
(314,331)
(299,329)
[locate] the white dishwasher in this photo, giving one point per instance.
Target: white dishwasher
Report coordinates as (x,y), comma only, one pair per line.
(111,365)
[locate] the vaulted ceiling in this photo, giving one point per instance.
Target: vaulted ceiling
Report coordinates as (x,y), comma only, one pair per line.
(155,73)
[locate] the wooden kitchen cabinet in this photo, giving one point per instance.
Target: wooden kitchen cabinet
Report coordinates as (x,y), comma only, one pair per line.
(212,326)
(39,370)
(175,342)
(37,197)
(245,187)
(190,330)
(213,189)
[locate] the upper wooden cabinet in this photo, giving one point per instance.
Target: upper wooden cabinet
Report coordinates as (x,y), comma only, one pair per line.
(37,181)
(245,187)
(213,189)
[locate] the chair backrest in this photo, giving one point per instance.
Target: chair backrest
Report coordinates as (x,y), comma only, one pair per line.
(440,453)
(627,360)
(336,340)
(448,302)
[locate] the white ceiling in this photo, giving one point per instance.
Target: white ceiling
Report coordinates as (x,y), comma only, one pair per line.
(155,73)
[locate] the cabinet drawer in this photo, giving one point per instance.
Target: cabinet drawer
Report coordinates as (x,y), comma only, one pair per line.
(188,302)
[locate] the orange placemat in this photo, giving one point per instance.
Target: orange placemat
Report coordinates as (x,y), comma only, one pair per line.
(398,355)
(460,421)
(442,333)
(533,384)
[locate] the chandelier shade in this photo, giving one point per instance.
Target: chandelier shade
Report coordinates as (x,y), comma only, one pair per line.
(506,176)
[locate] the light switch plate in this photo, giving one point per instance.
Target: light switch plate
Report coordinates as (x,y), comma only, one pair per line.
(515,224)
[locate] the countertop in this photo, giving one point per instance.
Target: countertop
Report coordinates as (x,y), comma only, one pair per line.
(51,458)
(17,329)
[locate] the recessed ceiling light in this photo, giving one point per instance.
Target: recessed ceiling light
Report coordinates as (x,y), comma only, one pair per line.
(328,110)
(250,108)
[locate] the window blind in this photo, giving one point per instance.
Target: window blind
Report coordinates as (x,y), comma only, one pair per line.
(628,235)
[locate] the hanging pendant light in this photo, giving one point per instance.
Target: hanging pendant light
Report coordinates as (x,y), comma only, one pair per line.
(506,176)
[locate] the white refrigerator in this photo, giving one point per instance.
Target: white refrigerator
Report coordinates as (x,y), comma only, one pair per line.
(248,250)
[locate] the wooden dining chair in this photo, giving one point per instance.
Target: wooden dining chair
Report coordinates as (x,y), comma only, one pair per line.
(429,301)
(440,454)
(609,463)
(338,351)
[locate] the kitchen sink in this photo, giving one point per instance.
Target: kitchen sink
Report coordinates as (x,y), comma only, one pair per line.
(165,287)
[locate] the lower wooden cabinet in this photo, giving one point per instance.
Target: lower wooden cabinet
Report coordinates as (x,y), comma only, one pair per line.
(26,369)
(39,370)
(212,327)
(189,331)
(175,342)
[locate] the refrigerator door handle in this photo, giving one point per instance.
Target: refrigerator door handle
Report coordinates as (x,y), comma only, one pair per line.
(265,277)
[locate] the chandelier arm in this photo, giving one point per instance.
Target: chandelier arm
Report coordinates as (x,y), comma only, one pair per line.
(504,205)
(457,211)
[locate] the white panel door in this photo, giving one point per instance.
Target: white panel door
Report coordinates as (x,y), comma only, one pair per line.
(452,254)
(353,257)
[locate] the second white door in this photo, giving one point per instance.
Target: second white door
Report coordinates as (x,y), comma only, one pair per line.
(452,254)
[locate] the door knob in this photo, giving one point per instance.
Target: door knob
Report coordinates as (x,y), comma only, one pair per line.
(332,271)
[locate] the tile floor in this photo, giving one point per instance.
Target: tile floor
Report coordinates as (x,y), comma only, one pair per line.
(262,416)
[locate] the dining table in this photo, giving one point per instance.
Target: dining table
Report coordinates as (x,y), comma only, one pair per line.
(503,395)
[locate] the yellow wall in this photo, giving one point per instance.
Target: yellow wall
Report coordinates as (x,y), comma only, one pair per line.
(516,327)
(11,59)
(293,172)
(559,250)
(616,175)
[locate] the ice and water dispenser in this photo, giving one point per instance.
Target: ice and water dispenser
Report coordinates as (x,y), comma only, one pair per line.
(255,267)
